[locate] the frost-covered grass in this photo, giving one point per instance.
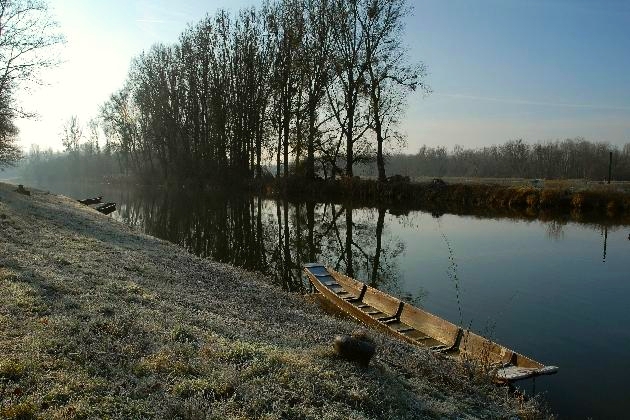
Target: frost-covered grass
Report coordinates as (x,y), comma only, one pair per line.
(99,321)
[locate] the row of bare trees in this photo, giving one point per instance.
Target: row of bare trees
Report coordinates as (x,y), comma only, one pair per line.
(305,83)
(571,158)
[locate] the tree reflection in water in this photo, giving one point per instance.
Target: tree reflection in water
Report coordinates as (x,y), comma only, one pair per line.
(275,238)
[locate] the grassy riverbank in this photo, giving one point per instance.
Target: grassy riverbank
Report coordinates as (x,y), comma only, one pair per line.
(97,320)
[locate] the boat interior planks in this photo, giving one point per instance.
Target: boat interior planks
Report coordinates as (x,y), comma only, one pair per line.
(407,322)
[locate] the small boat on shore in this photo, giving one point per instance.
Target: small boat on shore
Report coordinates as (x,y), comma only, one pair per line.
(107,208)
(93,200)
(414,325)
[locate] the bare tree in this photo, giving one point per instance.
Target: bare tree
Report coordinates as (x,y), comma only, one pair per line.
(94,127)
(287,30)
(345,95)
(72,134)
(316,62)
(389,76)
(28,36)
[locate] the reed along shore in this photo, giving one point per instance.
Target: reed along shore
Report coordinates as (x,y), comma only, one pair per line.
(98,320)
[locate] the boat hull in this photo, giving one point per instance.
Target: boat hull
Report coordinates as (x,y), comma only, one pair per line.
(416,326)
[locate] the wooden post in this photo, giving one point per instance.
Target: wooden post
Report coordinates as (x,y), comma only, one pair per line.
(609,167)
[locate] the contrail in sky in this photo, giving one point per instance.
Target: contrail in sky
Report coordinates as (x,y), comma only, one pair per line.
(526,102)
(150,12)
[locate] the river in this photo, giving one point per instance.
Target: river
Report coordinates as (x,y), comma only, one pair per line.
(553,290)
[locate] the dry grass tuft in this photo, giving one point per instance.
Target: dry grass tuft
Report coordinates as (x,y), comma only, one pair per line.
(11,369)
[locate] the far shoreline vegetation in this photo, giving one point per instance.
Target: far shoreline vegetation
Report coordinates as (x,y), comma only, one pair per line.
(499,179)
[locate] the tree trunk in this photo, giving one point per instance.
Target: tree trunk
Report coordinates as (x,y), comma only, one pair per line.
(349,149)
(279,150)
(310,146)
(286,127)
(351,106)
(380,160)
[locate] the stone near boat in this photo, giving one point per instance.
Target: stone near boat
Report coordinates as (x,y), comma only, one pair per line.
(358,347)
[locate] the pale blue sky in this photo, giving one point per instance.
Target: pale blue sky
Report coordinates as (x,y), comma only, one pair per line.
(536,69)
(499,69)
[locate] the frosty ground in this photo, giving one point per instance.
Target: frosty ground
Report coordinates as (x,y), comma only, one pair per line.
(98,320)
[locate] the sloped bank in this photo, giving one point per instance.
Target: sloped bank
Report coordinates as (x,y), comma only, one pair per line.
(97,320)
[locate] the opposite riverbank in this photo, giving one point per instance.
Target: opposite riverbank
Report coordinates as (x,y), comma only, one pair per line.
(98,320)
(463,196)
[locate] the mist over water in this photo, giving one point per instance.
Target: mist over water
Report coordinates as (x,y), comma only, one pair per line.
(551,290)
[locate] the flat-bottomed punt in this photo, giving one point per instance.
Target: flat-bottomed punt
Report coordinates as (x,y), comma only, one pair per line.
(107,208)
(90,201)
(414,325)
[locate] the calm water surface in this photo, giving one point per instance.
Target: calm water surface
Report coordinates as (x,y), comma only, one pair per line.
(554,291)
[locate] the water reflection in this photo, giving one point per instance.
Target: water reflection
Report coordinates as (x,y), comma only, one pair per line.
(273,237)
(605,235)
(555,229)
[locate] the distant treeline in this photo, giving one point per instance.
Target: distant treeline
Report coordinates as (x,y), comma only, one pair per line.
(314,86)
(571,159)
(87,162)
(568,159)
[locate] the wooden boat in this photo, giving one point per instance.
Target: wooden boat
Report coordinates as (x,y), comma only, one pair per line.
(414,325)
(20,189)
(107,208)
(89,201)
